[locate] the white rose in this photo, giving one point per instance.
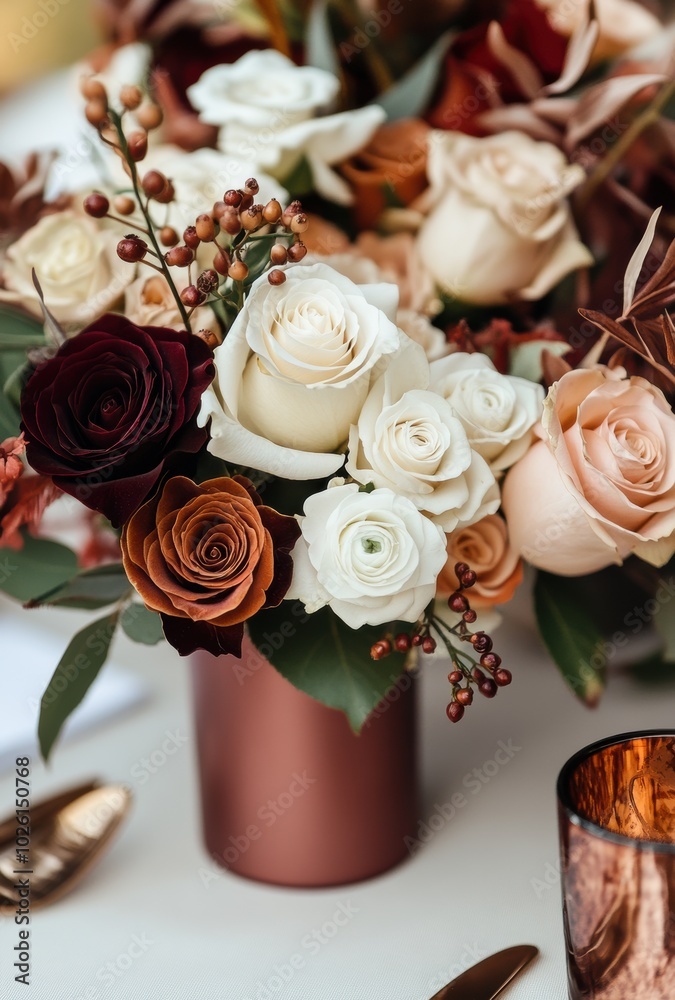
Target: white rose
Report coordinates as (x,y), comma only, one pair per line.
(270,112)
(498,412)
(295,370)
(372,557)
(420,329)
(500,227)
(409,440)
(148,301)
(76,264)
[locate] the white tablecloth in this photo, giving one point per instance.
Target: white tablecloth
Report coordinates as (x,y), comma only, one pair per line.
(157,921)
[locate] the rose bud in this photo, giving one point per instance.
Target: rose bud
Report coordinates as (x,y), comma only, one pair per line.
(207,281)
(279,254)
(238,271)
(180,256)
(230,222)
(150,116)
(272,211)
(191,296)
(205,228)
(297,252)
(191,237)
(299,223)
(130,96)
(168,236)
(96,113)
(137,143)
(232,198)
(93,90)
(132,249)
(252,218)
(222,262)
(251,186)
(123,204)
(96,205)
(153,183)
(276,277)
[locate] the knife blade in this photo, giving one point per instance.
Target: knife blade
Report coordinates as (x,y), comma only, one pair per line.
(488,978)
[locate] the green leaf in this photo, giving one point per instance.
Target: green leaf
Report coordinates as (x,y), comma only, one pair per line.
(19,331)
(571,635)
(321,656)
(409,96)
(91,589)
(15,380)
(40,566)
(142,625)
(9,419)
(76,672)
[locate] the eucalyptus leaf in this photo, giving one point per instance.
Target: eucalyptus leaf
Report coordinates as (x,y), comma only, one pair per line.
(40,566)
(142,625)
(77,670)
(572,637)
(90,589)
(410,95)
(326,659)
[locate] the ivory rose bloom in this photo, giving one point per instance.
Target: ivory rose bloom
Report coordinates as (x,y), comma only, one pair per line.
(499,227)
(274,113)
(498,411)
(601,485)
(486,548)
(77,266)
(409,440)
(372,557)
(149,302)
(295,370)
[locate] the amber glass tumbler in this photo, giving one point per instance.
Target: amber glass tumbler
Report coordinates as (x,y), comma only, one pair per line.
(616,807)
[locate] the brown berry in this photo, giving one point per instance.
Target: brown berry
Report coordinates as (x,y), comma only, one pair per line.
(210,338)
(132,248)
(468,578)
(92,89)
(153,183)
(150,116)
(464,696)
(428,644)
(246,201)
(191,296)
(417,639)
(251,186)
(503,677)
(137,143)
(205,227)
(278,254)
(207,281)
(180,256)
(477,674)
(455,711)
(297,252)
(488,688)
(168,236)
(130,96)
(460,567)
(455,676)
(238,271)
(166,195)
(232,198)
(230,222)
(96,112)
(123,204)
(252,218)
(490,661)
(191,237)
(222,262)
(299,223)
(402,642)
(272,211)
(96,205)
(276,277)
(457,602)
(295,208)
(470,616)
(380,649)
(218,209)
(481,642)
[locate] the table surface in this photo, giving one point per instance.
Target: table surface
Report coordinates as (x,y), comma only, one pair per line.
(157,921)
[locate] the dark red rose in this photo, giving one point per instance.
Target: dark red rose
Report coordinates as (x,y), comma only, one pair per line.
(208,557)
(104,415)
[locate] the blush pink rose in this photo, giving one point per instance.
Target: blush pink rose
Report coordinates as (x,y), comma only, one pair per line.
(600,486)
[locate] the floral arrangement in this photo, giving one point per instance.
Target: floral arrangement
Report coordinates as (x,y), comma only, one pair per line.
(336,429)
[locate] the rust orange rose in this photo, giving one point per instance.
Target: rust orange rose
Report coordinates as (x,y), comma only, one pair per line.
(394,160)
(485,547)
(207,557)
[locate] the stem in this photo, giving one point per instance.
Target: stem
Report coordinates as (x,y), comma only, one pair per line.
(127,222)
(649,116)
(353,18)
(164,268)
(271,11)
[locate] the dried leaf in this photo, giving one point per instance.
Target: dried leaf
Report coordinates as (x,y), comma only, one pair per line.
(659,292)
(28,501)
(522,69)
(55,329)
(577,56)
(597,105)
(636,262)
(669,337)
(553,366)
(521,117)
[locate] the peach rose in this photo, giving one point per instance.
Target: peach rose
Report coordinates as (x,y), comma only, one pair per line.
(601,485)
(393,162)
(207,557)
(486,548)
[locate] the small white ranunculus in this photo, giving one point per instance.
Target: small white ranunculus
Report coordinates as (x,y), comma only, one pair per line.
(76,264)
(372,557)
(295,370)
(500,226)
(498,411)
(408,439)
(273,113)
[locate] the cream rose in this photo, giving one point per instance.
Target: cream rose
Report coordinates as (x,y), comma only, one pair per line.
(601,485)
(273,113)
(149,302)
(372,557)
(77,266)
(409,440)
(500,226)
(624,24)
(295,370)
(498,412)
(486,548)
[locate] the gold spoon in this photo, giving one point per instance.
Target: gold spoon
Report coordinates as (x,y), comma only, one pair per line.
(68,834)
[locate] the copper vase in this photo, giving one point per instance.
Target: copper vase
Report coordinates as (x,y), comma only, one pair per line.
(290,795)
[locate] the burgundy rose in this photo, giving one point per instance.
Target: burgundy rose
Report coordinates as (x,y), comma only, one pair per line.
(208,557)
(103,416)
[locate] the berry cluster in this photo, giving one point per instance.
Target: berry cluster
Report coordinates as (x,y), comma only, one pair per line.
(231,227)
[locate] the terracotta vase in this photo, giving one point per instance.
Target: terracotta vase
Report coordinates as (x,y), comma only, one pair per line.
(290,795)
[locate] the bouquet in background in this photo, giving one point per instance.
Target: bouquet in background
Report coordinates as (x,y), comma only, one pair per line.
(337,427)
